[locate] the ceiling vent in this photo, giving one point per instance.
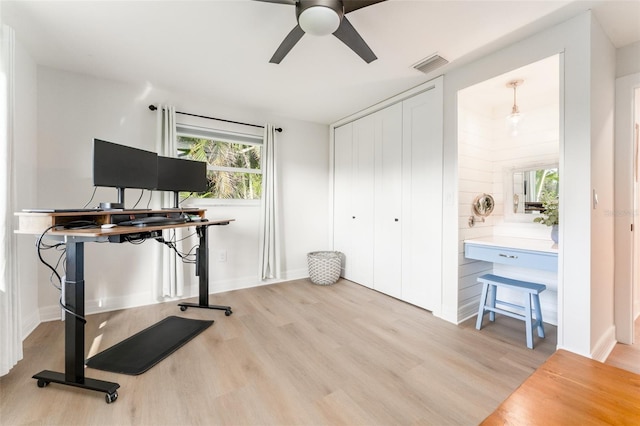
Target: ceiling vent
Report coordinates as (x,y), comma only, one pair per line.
(431,63)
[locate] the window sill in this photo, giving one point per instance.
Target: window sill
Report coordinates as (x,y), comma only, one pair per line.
(209,202)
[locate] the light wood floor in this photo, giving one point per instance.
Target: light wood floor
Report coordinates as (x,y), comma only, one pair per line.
(627,357)
(291,354)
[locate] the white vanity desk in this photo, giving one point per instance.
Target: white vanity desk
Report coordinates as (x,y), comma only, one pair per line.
(521,252)
(521,258)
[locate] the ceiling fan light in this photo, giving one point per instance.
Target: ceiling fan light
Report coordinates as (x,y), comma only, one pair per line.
(319,20)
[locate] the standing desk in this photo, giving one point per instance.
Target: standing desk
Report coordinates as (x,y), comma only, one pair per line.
(37,223)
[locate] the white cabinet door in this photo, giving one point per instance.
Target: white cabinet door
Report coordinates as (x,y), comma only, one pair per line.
(422,199)
(342,198)
(353,199)
(387,276)
(388,199)
(363,200)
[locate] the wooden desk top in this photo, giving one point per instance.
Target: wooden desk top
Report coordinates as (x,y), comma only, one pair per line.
(36,222)
(569,389)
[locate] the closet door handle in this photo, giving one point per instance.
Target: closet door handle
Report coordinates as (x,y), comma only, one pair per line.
(396,220)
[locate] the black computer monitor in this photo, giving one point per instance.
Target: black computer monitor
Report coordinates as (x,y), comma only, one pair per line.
(180,174)
(122,167)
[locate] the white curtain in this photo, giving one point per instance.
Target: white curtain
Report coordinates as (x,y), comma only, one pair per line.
(10,334)
(170,282)
(269,214)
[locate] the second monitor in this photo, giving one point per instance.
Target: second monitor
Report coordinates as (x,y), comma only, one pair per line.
(181,175)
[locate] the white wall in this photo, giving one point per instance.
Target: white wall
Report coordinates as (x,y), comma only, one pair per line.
(73,109)
(628,59)
(26,172)
(603,61)
(475,174)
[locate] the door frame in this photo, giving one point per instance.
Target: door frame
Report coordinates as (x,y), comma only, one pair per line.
(627,172)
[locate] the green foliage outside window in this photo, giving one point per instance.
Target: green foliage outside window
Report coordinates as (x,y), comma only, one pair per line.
(547,190)
(233,169)
(546,184)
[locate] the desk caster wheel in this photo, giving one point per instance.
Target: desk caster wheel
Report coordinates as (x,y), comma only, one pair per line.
(183,308)
(227,312)
(111,397)
(42,383)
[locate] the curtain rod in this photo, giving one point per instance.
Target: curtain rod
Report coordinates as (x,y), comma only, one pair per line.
(277,129)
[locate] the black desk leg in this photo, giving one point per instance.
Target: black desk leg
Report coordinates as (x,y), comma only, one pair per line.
(74,331)
(202,271)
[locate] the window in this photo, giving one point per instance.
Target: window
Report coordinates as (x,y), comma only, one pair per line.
(233,161)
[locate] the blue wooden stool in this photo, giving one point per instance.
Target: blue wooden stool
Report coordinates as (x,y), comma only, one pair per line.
(531,292)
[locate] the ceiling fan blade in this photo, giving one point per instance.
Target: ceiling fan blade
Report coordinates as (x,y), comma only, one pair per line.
(349,36)
(292,2)
(287,44)
(351,5)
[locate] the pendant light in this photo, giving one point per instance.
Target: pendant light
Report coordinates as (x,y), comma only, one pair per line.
(515,117)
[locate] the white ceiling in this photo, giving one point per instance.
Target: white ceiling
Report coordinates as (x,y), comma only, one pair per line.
(221,48)
(540,87)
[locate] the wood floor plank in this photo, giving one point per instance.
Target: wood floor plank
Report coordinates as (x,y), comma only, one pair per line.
(571,389)
(291,353)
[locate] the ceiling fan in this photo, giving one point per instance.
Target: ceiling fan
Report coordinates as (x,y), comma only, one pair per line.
(323,17)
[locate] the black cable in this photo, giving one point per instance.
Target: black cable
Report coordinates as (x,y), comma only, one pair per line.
(80,224)
(69,311)
(63,255)
(185,257)
(184,199)
(55,272)
(91,199)
(136,240)
(39,248)
(139,198)
(190,253)
(150,197)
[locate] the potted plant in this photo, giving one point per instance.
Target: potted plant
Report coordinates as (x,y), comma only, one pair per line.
(549,216)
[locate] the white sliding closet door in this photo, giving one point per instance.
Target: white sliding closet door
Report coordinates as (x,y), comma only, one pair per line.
(363,200)
(422,198)
(353,199)
(388,198)
(342,197)
(387,265)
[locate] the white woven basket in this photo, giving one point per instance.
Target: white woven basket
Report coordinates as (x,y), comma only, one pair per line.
(324,266)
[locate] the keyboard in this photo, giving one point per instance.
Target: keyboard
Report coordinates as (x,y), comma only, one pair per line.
(153,220)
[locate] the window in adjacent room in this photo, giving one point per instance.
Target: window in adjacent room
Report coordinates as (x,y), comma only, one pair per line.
(233,161)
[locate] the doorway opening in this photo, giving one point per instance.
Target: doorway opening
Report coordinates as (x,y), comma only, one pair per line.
(518,163)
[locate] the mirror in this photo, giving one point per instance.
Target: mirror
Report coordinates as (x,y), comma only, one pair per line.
(483,205)
(530,186)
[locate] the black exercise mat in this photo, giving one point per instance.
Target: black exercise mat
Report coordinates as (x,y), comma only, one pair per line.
(145,349)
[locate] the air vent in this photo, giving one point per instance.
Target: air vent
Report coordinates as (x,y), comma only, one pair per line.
(431,63)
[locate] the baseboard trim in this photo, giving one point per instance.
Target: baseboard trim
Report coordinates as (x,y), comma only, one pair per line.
(605,345)
(93,306)
(29,323)
(467,311)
